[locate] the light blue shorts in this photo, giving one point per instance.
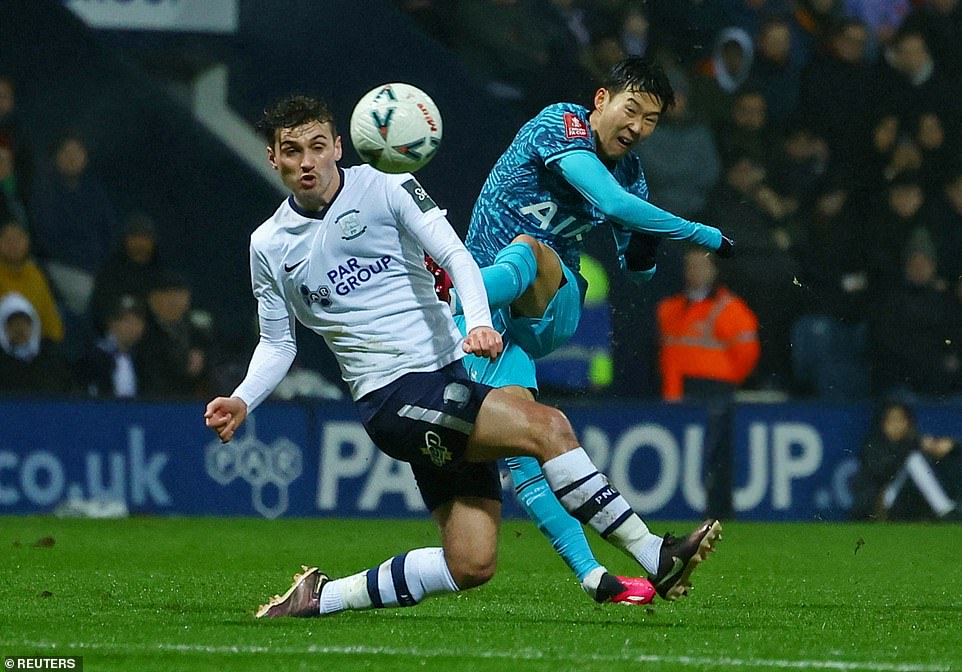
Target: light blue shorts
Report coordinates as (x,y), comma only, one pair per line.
(528,338)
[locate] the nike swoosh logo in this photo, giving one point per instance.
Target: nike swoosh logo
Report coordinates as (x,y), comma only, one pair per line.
(676,567)
(293,266)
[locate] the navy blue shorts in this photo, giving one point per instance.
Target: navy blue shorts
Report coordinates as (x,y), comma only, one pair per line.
(425,419)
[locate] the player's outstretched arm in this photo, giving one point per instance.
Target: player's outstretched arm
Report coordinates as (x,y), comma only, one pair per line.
(585,172)
(269,364)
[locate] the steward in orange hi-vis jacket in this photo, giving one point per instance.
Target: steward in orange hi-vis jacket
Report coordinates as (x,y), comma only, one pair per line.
(706,332)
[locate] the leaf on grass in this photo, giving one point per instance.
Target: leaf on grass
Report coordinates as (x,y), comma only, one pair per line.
(44,593)
(44,542)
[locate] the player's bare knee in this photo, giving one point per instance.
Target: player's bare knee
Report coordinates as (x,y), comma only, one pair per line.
(553,433)
(530,241)
(472,571)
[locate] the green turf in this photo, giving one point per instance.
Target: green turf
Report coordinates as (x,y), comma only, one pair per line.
(178,594)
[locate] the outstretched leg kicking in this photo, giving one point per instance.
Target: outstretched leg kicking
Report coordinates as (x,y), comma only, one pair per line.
(512,275)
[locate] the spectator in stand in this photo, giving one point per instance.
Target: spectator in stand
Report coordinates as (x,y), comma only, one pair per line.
(946,218)
(109,369)
(605,52)
(798,162)
(909,82)
(775,73)
(709,346)
(174,354)
(765,273)
(936,148)
(889,151)
(903,475)
(830,337)
(73,221)
(892,224)
(746,132)
(20,273)
(916,331)
(720,77)
(882,18)
(131,270)
(15,138)
(28,362)
(940,21)
(635,30)
(681,160)
(835,92)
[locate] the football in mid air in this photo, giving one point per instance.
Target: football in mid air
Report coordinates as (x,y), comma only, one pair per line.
(396,128)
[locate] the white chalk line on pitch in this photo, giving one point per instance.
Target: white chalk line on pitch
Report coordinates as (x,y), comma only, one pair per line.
(69,648)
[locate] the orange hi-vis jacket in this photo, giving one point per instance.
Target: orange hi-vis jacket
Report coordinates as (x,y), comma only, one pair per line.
(715,338)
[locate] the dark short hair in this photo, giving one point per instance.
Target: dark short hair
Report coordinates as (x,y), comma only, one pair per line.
(292,112)
(643,75)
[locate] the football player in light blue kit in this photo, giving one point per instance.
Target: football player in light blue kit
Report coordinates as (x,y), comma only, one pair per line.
(568,170)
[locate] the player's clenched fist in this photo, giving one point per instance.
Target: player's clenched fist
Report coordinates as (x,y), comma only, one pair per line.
(224,415)
(483,342)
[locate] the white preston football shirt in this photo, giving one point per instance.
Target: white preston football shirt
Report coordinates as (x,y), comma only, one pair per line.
(354,274)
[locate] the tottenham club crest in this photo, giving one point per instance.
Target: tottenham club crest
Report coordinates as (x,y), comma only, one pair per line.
(351,226)
(321,295)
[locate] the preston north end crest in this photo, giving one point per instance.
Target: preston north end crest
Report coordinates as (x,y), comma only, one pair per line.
(351,226)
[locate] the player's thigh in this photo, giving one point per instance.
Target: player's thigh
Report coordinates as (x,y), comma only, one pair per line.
(539,336)
(547,280)
(509,425)
(469,534)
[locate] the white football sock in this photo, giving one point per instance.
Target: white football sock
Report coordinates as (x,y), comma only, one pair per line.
(591,582)
(403,580)
(586,494)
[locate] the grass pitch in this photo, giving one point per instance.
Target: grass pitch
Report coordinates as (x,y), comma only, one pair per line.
(179,594)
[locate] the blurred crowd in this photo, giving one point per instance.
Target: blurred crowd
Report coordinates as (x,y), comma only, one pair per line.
(87,305)
(824,135)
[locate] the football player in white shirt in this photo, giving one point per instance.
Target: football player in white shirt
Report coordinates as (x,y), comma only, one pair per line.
(344,256)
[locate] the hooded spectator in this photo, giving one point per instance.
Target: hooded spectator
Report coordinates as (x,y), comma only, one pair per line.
(28,364)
